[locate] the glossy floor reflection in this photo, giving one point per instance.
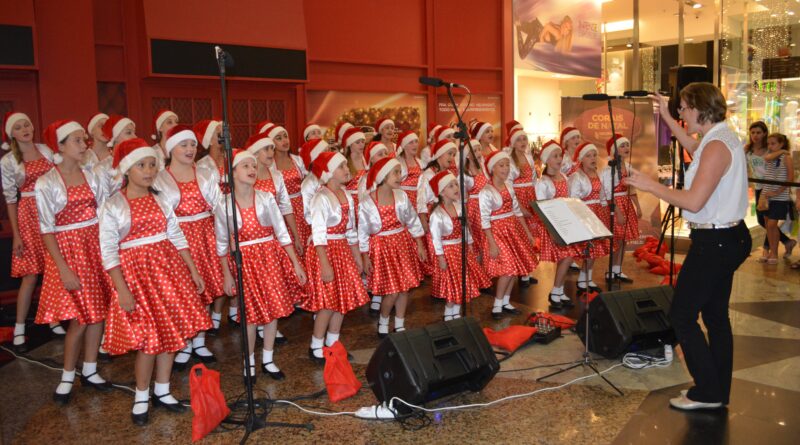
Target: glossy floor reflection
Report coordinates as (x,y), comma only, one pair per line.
(766,392)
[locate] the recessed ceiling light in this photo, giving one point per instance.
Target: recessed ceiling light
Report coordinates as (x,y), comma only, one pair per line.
(629,45)
(690,39)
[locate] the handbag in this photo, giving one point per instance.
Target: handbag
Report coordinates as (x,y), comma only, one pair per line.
(339,378)
(208,402)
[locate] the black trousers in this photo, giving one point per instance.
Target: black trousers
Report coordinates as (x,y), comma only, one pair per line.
(704,288)
(761,222)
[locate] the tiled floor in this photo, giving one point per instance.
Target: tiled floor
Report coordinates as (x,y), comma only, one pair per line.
(765,313)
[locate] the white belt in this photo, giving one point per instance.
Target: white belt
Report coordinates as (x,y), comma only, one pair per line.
(520,186)
(474,196)
(294,195)
(727,225)
(143,241)
(256,241)
(353,192)
(27,194)
(391,232)
(408,188)
(501,216)
(621,194)
(195,217)
(592,201)
(78,225)
(335,236)
(450,242)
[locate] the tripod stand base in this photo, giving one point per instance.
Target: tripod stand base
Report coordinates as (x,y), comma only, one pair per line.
(585,362)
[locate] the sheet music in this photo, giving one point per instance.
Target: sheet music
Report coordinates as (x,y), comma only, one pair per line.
(572,219)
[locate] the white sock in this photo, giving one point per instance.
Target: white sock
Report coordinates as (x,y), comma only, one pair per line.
(89,369)
(581,277)
(260,331)
(19,334)
(498,305)
(66,376)
(456,311)
(376,302)
(316,346)
(266,357)
(448,313)
(616,269)
(160,389)
(278,334)
(184,354)
(525,278)
(199,346)
(142,395)
(557,292)
(383,325)
(216,319)
(331,338)
(507,300)
(399,324)
(58,329)
(590,275)
(233,312)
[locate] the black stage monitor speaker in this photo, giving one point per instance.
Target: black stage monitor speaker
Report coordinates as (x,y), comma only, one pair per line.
(628,320)
(424,364)
(679,77)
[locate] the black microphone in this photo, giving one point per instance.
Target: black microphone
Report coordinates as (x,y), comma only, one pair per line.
(224,55)
(600,96)
(437,82)
(637,93)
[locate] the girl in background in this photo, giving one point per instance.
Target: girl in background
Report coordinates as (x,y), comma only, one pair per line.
(163,121)
(442,155)
(778,168)
(385,133)
(523,174)
(570,139)
(116,129)
(98,145)
(410,167)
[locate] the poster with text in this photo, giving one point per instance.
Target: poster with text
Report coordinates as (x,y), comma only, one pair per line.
(482,107)
(558,36)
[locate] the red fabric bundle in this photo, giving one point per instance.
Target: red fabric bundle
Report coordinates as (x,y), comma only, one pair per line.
(6,334)
(339,378)
(510,338)
(208,402)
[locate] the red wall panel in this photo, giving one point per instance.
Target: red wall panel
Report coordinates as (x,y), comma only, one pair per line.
(468,33)
(17,12)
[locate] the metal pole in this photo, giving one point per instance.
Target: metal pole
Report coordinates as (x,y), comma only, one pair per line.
(680,34)
(636,73)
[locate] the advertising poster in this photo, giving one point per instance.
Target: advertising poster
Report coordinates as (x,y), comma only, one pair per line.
(482,107)
(558,36)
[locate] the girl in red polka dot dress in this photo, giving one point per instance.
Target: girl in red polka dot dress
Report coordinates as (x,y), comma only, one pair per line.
(262,234)
(508,251)
(20,169)
(410,166)
(475,179)
(354,142)
(390,239)
(207,133)
(334,263)
(445,225)
(553,184)
(375,152)
(308,153)
(193,194)
(74,287)
(156,307)
(585,184)
(293,171)
(441,159)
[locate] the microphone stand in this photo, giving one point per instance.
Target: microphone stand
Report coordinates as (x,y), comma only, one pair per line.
(616,174)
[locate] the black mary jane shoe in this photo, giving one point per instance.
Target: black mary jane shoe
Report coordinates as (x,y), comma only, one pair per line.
(497,315)
(173,407)
(279,375)
(381,336)
(179,367)
(62,399)
(508,309)
(212,332)
(141,419)
(233,321)
(206,359)
(104,357)
(280,341)
(524,283)
(624,278)
(567,303)
(22,348)
(317,360)
(595,289)
(102,387)
(555,304)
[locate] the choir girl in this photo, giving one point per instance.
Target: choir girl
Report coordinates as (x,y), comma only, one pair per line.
(293,171)
(627,210)
(74,288)
(19,170)
(193,194)
(475,179)
(425,153)
(333,263)
(163,121)
(508,249)
(483,133)
(387,222)
(375,152)
(312,131)
(309,153)
(155,308)
(570,139)
(385,133)
(262,234)
(410,167)
(340,130)
(442,155)
(207,133)
(523,174)
(354,142)
(116,129)
(98,145)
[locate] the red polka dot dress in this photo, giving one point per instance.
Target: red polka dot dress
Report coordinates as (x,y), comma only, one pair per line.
(197,223)
(446,284)
(266,296)
(293,178)
(393,254)
(345,292)
(474,211)
(32,260)
(80,248)
(409,184)
(630,230)
(516,256)
(168,311)
(526,193)
(600,248)
(352,188)
(549,250)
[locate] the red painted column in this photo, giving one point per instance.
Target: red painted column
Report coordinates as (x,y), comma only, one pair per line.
(67,75)
(507,112)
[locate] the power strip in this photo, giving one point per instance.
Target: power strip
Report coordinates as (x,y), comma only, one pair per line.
(377,412)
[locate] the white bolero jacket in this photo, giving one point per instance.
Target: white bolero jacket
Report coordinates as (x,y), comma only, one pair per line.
(281,194)
(545,188)
(267,212)
(308,188)
(13,172)
(207,182)
(115,223)
(327,212)
(580,186)
(490,199)
(109,180)
(424,191)
(51,197)
(514,173)
(369,219)
(605,179)
(441,225)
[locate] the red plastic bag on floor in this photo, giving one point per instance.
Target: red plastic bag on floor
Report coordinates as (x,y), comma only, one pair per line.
(556,320)
(208,402)
(510,338)
(340,380)
(6,334)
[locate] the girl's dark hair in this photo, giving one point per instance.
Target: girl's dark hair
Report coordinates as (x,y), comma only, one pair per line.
(707,99)
(784,141)
(376,137)
(433,164)
(757,124)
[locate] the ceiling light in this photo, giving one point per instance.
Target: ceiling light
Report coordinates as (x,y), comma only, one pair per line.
(629,45)
(622,25)
(690,39)
(790,12)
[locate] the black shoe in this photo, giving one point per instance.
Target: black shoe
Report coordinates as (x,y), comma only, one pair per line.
(206,359)
(102,387)
(173,407)
(555,304)
(611,277)
(524,283)
(179,367)
(486,290)
(533,280)
(508,309)
(497,315)
(279,375)
(20,349)
(140,419)
(317,360)
(232,321)
(567,303)
(624,278)
(280,341)
(62,399)
(595,289)
(213,332)
(104,357)
(574,266)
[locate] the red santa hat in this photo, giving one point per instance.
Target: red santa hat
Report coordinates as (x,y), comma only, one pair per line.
(495,157)
(258,141)
(351,136)
(264,126)
(443,133)
(94,121)
(204,131)
(441,180)
(479,129)
(512,125)
(129,152)
(158,121)
(514,136)
(240,156)
(274,131)
(442,147)
(325,164)
(309,128)
(548,149)
(620,140)
(382,122)
(11,118)
(340,130)
(583,150)
(373,148)
(114,126)
(311,150)
(404,139)
(377,173)
(57,132)
(568,133)
(433,127)
(178,134)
